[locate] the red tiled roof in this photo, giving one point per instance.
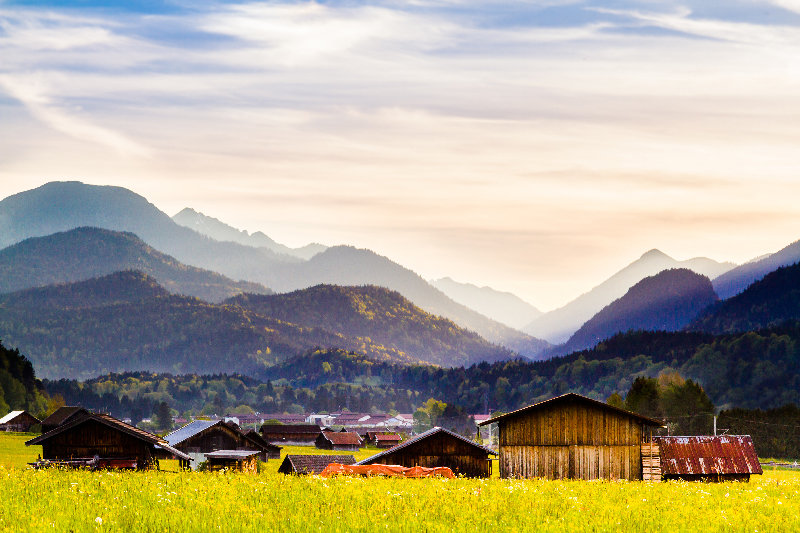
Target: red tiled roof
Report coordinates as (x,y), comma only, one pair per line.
(343,438)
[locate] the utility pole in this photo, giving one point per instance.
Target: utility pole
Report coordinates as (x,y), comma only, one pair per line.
(715,425)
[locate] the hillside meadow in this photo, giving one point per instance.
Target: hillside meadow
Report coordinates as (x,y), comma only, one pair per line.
(63,500)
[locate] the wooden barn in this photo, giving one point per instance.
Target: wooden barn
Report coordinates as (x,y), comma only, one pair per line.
(18,421)
(707,458)
(438,447)
(233,461)
(312,464)
(100,440)
(62,415)
(339,440)
(204,436)
(295,434)
(271,451)
(572,437)
(385,440)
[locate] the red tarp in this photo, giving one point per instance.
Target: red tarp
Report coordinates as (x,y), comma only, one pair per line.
(334,469)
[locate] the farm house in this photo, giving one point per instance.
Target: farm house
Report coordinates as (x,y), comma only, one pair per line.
(201,437)
(707,458)
(312,464)
(339,440)
(438,447)
(18,421)
(233,460)
(572,437)
(102,441)
(297,434)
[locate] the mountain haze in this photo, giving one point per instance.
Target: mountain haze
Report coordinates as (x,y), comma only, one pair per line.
(558,325)
(738,279)
(503,307)
(84,253)
(667,301)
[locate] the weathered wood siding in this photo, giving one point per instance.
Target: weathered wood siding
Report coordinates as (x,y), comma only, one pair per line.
(248,465)
(93,438)
(442,450)
(571,440)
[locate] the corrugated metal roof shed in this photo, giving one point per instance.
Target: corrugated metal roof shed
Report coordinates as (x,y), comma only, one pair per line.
(702,455)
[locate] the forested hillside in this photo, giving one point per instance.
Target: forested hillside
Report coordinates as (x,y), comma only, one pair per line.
(768,302)
(19,388)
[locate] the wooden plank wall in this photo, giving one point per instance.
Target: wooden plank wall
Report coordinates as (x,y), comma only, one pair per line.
(93,438)
(572,440)
(651,462)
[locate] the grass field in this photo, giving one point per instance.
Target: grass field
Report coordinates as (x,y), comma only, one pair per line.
(190,501)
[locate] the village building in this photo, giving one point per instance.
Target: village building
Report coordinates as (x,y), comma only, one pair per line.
(312,464)
(233,461)
(18,421)
(572,437)
(102,441)
(62,415)
(292,434)
(385,440)
(201,437)
(339,440)
(707,458)
(283,418)
(438,447)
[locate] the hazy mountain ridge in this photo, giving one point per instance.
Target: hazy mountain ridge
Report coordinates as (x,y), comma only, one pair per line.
(504,307)
(738,279)
(558,325)
(218,230)
(667,301)
(380,314)
(766,303)
(85,253)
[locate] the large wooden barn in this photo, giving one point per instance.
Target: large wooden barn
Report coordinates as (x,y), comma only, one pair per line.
(438,447)
(204,436)
(18,421)
(573,437)
(99,440)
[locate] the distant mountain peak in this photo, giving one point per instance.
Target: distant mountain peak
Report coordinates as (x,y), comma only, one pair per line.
(655,253)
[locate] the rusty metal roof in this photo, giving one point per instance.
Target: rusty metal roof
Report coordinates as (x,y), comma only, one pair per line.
(724,454)
(572,397)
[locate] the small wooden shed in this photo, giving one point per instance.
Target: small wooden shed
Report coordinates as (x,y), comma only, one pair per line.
(386,440)
(294,434)
(572,437)
(438,447)
(708,458)
(205,436)
(339,440)
(233,461)
(93,439)
(312,464)
(18,421)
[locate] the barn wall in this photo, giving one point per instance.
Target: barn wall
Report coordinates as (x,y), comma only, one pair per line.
(442,450)
(92,438)
(571,440)
(213,439)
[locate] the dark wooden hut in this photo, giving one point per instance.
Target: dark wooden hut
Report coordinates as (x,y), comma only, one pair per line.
(339,440)
(312,464)
(18,421)
(708,458)
(62,415)
(574,437)
(100,440)
(438,447)
(384,440)
(297,434)
(205,436)
(233,461)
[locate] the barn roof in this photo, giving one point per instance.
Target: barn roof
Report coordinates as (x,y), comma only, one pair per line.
(572,397)
(14,414)
(232,454)
(190,430)
(312,464)
(295,429)
(724,454)
(110,421)
(342,438)
(61,415)
(255,437)
(391,437)
(421,437)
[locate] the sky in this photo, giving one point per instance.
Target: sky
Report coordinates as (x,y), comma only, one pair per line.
(533,146)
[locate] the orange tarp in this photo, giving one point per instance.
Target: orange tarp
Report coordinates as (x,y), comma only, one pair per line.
(385,470)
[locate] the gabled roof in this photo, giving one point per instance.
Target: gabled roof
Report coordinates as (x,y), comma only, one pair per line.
(391,437)
(109,421)
(14,414)
(313,464)
(298,429)
(61,415)
(190,430)
(724,454)
(255,437)
(421,437)
(232,454)
(572,397)
(343,438)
